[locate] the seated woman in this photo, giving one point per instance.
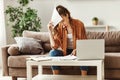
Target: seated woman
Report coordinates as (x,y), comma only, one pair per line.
(63,37)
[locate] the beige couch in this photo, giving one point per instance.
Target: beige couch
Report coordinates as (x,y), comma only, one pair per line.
(15,65)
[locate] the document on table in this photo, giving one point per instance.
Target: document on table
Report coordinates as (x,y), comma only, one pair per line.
(44,58)
(56,18)
(68,57)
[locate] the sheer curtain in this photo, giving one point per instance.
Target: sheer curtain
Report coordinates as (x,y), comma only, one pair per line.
(2,28)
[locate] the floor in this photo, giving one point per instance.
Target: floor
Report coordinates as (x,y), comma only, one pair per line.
(8,78)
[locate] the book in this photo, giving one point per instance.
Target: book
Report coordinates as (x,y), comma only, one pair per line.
(56,18)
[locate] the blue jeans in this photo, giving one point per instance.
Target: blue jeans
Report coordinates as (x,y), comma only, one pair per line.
(56,52)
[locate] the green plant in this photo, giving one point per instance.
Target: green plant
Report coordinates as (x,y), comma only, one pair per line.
(94,19)
(23,18)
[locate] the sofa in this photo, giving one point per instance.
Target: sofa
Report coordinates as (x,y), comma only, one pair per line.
(14,61)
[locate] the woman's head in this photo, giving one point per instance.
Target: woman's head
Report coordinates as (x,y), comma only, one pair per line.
(63,11)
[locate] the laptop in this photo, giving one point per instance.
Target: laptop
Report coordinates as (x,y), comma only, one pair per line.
(90,49)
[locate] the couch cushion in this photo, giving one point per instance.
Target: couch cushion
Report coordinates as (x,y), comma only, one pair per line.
(95,35)
(43,36)
(20,61)
(112,49)
(111,38)
(112,60)
(17,61)
(47,46)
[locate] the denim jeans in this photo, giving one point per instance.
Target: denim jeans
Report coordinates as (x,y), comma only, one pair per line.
(56,52)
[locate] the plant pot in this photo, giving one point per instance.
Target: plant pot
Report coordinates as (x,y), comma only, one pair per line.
(94,22)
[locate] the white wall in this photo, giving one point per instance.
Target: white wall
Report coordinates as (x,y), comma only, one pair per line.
(106,10)
(2,29)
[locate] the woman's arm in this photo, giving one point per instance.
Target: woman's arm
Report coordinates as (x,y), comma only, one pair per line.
(50,30)
(52,40)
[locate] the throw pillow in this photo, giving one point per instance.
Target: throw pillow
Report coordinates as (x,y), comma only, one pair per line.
(46,47)
(29,45)
(13,50)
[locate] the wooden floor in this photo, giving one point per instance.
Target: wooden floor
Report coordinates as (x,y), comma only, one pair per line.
(9,78)
(64,77)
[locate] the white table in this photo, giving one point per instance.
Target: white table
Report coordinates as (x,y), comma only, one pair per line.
(63,77)
(98,63)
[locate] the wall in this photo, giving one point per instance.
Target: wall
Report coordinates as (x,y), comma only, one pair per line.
(106,10)
(2,28)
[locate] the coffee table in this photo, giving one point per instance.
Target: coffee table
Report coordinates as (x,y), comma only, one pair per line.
(98,63)
(64,77)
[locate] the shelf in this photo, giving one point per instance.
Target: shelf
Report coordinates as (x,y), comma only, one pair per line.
(94,27)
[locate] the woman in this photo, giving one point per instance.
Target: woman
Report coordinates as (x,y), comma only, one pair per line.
(63,37)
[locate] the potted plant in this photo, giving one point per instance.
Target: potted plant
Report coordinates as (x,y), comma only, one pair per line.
(95,21)
(23,18)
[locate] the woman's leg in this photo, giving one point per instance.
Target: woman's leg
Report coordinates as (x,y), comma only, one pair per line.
(55,53)
(84,70)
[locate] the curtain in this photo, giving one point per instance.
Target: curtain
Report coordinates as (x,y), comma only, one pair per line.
(2,28)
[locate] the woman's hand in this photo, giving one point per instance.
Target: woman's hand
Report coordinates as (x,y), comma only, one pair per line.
(74,52)
(50,26)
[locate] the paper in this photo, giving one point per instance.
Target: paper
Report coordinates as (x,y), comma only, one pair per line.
(57,58)
(68,57)
(56,18)
(40,58)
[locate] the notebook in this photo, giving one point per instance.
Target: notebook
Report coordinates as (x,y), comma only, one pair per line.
(90,49)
